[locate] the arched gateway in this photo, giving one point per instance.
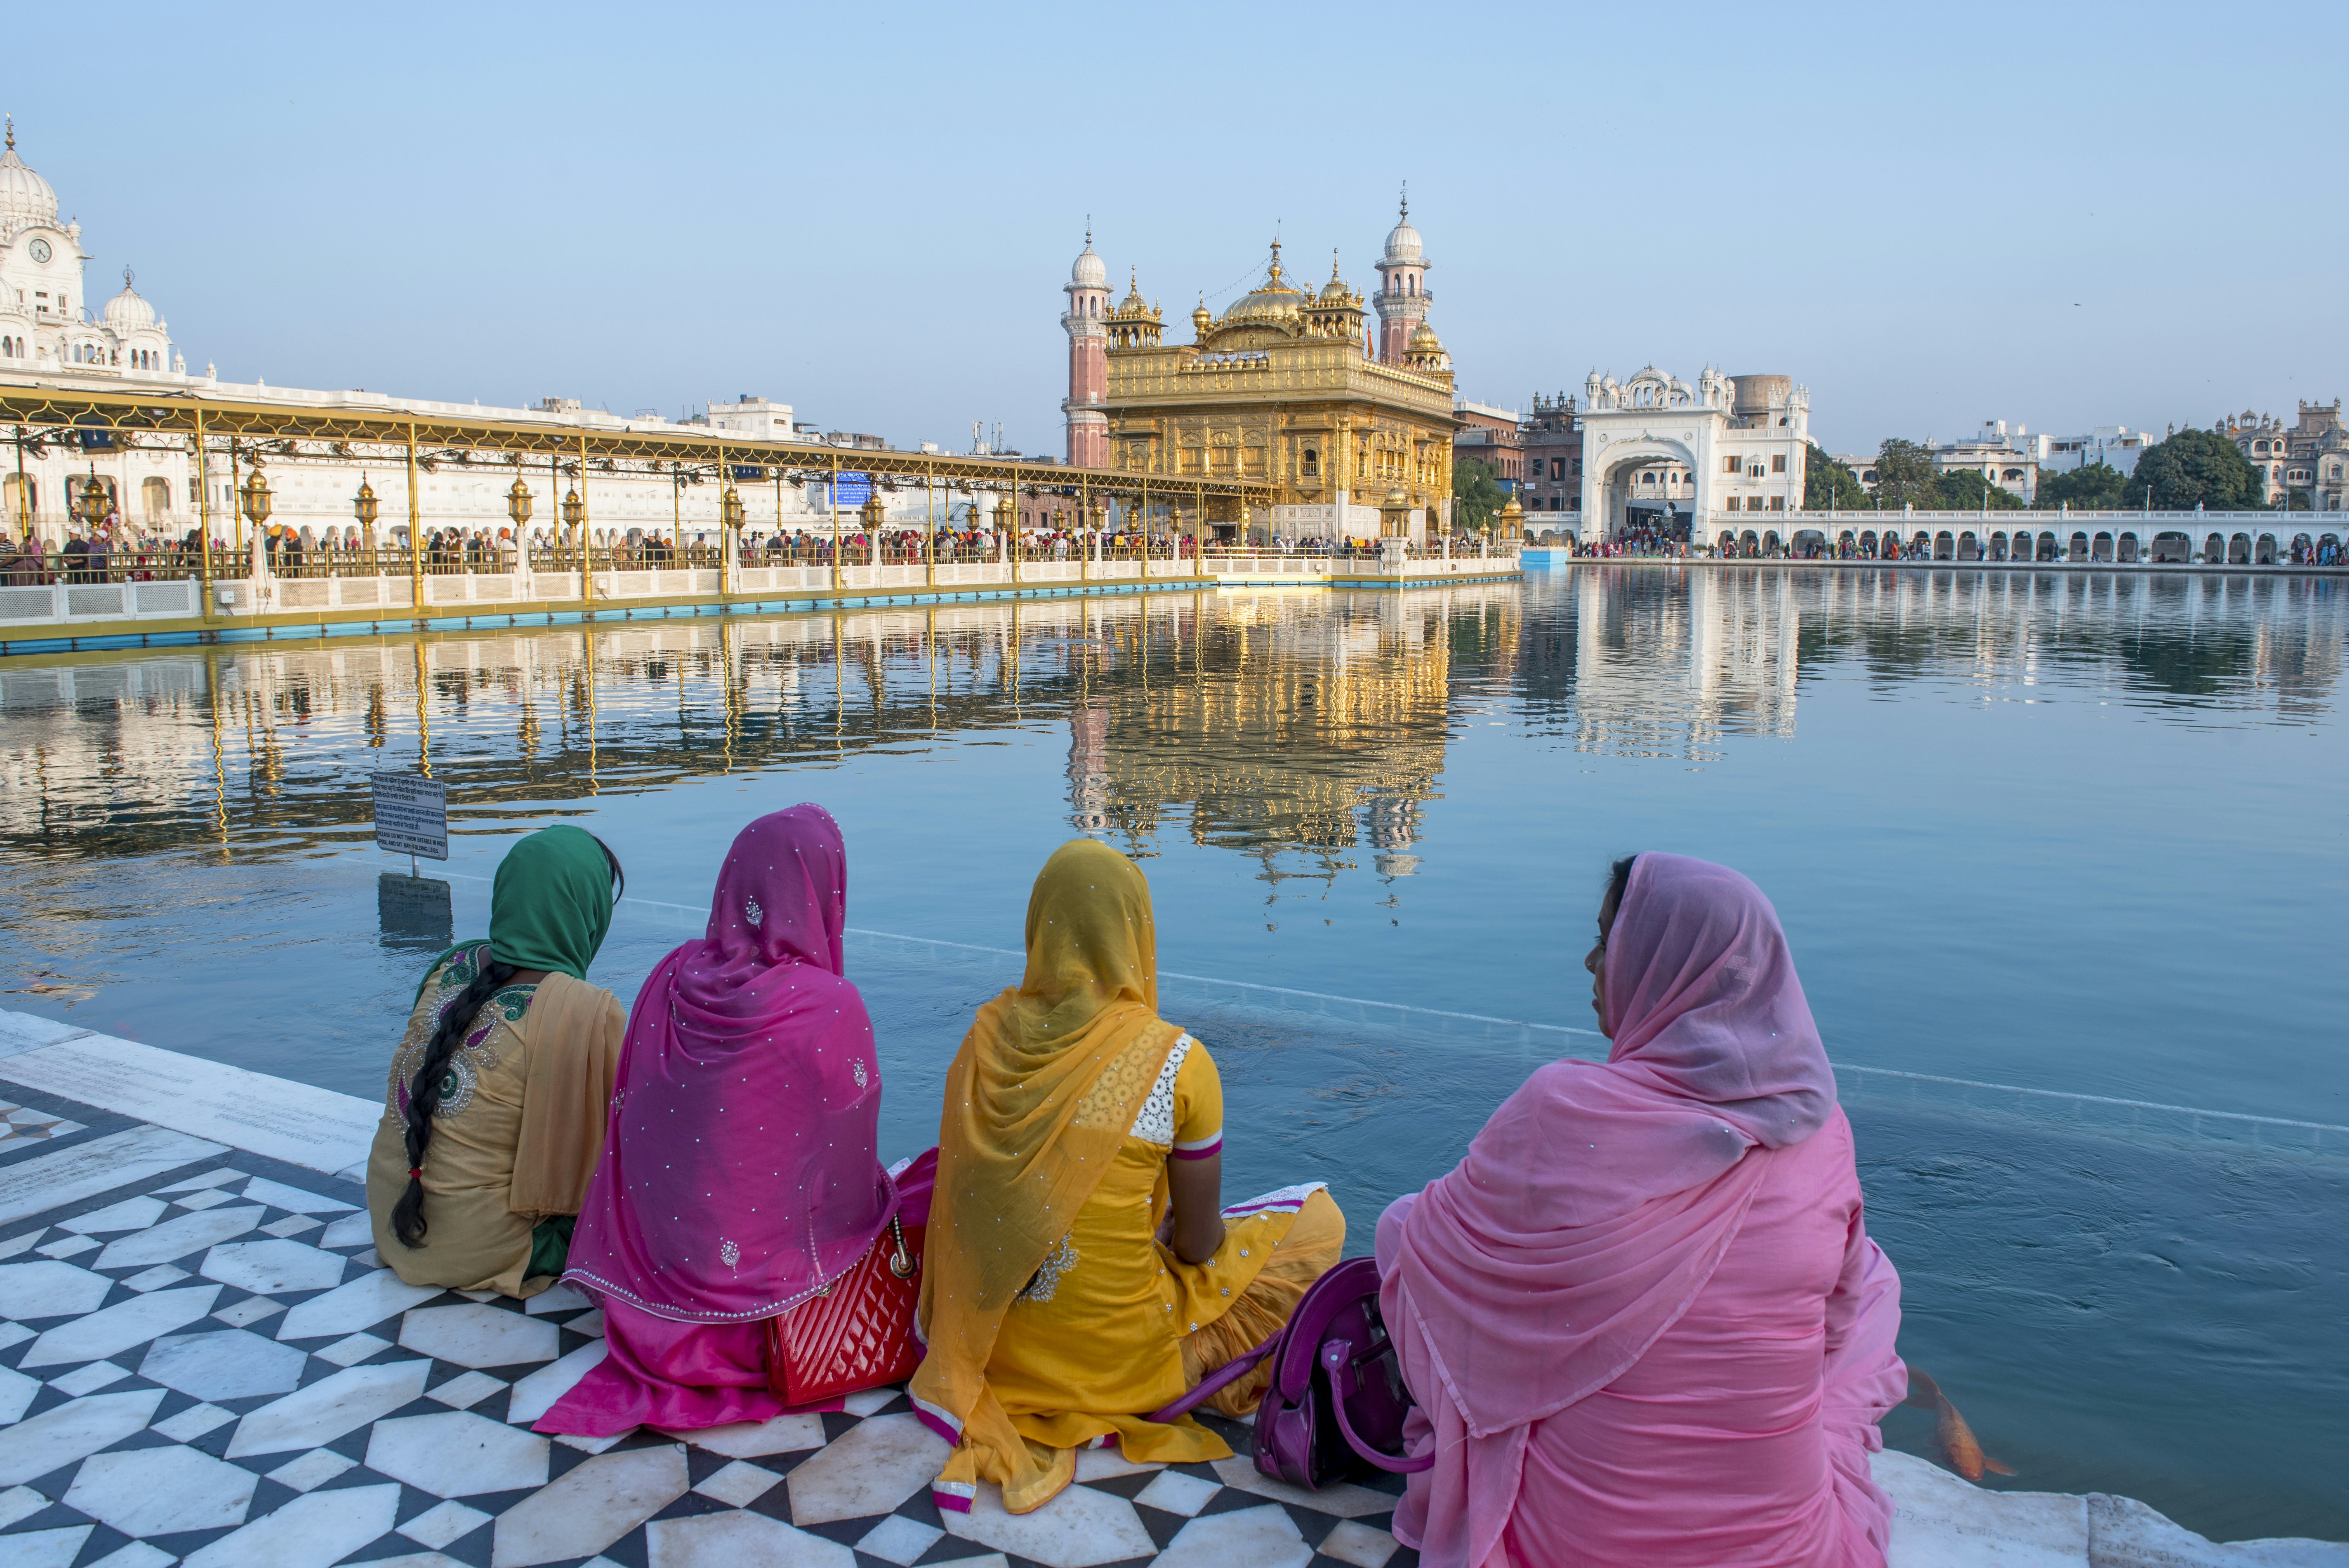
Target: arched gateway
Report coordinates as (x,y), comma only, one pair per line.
(1665,459)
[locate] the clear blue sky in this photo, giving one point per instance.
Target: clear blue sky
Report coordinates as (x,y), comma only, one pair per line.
(2065,215)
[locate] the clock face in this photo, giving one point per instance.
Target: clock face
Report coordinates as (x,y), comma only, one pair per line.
(40,248)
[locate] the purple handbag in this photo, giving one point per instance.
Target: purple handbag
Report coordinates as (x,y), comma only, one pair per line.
(1336,1400)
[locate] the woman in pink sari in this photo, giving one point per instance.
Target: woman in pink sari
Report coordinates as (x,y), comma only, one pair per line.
(737,1175)
(1643,1318)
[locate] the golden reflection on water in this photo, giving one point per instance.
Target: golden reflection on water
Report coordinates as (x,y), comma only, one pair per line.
(1262,722)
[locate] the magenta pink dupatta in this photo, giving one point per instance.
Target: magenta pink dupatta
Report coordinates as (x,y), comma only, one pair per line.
(738,1176)
(1599,1199)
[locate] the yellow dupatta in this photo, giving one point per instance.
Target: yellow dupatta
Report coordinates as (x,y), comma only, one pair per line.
(1037,1101)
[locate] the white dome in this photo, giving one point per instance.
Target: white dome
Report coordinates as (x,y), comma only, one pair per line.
(24,195)
(126,312)
(1089,273)
(1402,243)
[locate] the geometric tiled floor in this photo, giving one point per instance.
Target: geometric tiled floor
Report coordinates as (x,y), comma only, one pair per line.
(204,1362)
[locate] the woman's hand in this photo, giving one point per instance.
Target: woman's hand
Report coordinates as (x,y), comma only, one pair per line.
(1194,1225)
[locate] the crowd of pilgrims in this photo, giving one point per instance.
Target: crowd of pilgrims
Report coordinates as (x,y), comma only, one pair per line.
(1641,1319)
(113,553)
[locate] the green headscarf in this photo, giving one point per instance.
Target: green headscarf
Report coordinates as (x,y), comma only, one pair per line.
(552,901)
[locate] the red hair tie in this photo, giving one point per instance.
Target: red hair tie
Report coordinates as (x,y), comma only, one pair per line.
(416,1174)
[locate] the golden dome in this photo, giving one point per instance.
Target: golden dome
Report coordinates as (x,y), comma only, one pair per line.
(1273,301)
(1425,340)
(1335,291)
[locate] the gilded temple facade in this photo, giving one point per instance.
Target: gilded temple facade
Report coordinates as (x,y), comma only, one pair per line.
(1288,387)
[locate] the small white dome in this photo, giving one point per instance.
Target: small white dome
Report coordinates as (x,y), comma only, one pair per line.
(127,312)
(1402,243)
(1089,273)
(24,195)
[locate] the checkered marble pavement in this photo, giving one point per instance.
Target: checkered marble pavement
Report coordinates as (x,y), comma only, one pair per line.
(202,1361)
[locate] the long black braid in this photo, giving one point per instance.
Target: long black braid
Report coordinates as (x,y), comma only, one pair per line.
(424,1093)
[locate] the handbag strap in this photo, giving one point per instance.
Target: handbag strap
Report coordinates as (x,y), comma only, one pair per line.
(1222,1377)
(1338,1360)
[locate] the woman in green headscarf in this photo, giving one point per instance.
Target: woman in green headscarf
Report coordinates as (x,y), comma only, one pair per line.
(494,1113)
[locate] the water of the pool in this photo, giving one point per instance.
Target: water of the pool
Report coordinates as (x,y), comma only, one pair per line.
(2079,833)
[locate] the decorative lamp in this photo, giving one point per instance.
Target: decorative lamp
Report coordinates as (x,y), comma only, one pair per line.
(730,507)
(518,503)
(574,511)
(95,504)
(254,497)
(365,507)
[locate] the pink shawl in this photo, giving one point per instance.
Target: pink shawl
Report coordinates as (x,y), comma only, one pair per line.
(1600,1198)
(738,1176)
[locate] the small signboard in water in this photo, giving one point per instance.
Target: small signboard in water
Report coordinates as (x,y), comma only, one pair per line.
(411,815)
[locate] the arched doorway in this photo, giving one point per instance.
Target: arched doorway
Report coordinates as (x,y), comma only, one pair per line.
(1868,544)
(2079,547)
(1617,492)
(1998,545)
(2264,552)
(2214,549)
(2128,548)
(2047,551)
(1809,543)
(2238,550)
(2101,547)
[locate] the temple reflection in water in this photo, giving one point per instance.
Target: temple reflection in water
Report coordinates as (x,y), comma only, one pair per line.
(1281,725)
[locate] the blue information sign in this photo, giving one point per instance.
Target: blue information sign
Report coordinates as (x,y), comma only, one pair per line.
(850,492)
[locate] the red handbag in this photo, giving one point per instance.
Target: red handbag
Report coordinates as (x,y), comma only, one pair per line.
(858,1331)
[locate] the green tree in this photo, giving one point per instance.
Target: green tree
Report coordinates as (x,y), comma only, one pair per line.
(1827,484)
(2196,468)
(2098,487)
(1905,475)
(1966,490)
(1477,497)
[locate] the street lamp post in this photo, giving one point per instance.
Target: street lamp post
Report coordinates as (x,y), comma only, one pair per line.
(366,508)
(730,515)
(518,508)
(575,518)
(93,506)
(253,499)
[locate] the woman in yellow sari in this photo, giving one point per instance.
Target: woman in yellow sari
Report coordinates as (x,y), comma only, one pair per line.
(1080,1272)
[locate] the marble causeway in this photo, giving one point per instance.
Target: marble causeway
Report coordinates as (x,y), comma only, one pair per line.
(201,1362)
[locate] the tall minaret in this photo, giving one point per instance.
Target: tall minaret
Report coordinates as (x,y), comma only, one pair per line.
(1088,329)
(1403,298)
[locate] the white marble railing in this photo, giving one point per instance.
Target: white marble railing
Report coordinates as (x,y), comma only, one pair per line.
(97,600)
(71,604)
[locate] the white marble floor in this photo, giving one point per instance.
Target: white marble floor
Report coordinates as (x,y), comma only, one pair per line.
(207,1363)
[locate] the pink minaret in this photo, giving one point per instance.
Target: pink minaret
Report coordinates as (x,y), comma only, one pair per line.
(1088,328)
(1403,298)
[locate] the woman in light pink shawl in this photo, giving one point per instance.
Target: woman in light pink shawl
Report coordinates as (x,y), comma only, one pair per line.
(1643,1318)
(737,1175)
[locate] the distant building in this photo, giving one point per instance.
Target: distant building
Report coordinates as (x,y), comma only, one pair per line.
(752,417)
(2308,460)
(1492,437)
(2115,446)
(1663,455)
(1290,388)
(1551,441)
(2009,460)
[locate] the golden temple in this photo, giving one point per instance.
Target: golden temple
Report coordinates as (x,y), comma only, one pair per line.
(1285,389)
